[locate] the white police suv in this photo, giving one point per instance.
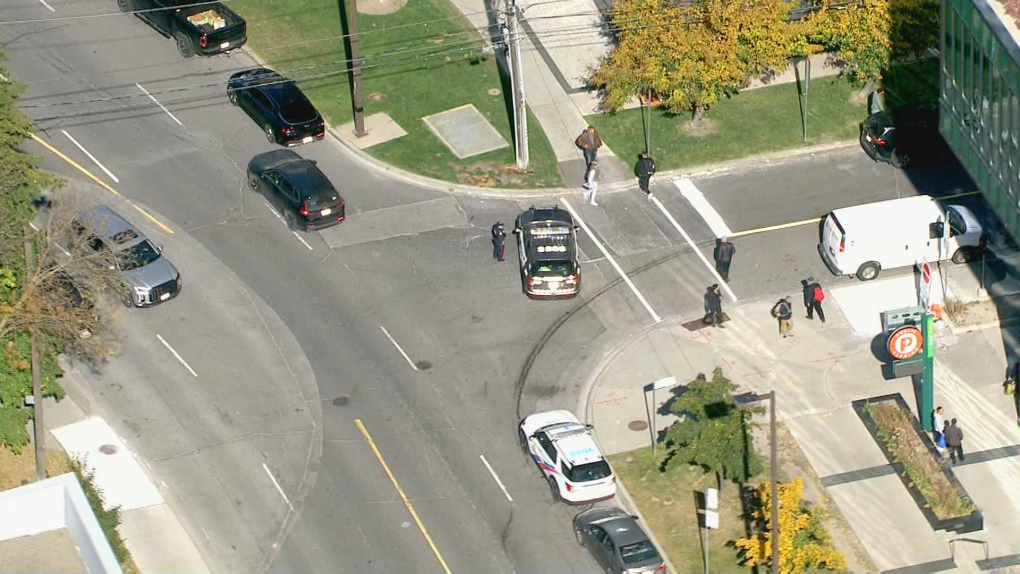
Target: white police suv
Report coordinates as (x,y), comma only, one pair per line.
(568,456)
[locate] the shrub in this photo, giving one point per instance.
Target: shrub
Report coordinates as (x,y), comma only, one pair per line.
(109,520)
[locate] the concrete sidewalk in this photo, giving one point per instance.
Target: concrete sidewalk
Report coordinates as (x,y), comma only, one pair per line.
(152,532)
(816,375)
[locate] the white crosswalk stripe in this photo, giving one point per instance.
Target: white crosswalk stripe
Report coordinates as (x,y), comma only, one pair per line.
(693,195)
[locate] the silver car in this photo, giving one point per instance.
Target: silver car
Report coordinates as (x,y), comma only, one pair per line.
(150,277)
(617,541)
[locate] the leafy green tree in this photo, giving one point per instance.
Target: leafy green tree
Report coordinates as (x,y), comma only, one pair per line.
(858,34)
(712,433)
(692,54)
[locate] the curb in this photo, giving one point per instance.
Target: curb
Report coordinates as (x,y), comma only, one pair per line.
(704,170)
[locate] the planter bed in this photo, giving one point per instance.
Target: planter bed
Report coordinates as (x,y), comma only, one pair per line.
(968,522)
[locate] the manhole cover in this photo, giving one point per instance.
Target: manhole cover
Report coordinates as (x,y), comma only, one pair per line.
(637,425)
(494,92)
(108,449)
(341,401)
(423,365)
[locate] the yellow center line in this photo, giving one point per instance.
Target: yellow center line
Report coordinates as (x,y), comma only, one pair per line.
(400,491)
(818,219)
(102,183)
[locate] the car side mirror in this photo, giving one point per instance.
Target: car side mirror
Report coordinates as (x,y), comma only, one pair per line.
(576,227)
(936,230)
(159,248)
(589,427)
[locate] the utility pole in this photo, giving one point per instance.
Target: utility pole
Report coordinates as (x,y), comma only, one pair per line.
(515,67)
(37,407)
(359,109)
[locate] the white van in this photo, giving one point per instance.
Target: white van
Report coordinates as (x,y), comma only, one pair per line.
(864,239)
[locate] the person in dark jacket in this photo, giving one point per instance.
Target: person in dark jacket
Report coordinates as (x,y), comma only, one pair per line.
(713,300)
(644,170)
(783,311)
(954,441)
(812,302)
(724,251)
(498,241)
(589,142)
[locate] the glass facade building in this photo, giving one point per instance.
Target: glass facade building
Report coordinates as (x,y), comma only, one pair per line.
(980,102)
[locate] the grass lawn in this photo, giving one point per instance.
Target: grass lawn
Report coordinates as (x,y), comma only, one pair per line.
(670,507)
(19,469)
(418,61)
(750,123)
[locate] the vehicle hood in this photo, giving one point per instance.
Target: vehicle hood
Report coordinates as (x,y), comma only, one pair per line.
(539,420)
(973,225)
(156,273)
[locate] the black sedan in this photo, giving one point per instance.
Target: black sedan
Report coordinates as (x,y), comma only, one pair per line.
(904,136)
(617,541)
(297,189)
(277,105)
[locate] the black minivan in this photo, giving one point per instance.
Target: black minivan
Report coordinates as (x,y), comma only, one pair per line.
(297,188)
(277,105)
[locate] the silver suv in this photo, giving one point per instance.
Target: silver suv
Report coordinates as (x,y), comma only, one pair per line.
(151,279)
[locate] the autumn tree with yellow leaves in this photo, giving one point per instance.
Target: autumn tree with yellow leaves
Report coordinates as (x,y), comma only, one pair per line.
(803,542)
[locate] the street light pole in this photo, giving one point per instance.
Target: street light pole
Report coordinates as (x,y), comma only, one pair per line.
(775,485)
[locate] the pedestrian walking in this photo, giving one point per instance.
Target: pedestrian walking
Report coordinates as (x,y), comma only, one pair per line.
(954,441)
(877,103)
(724,251)
(589,142)
(938,424)
(713,300)
(591,182)
(644,170)
(498,241)
(783,311)
(813,297)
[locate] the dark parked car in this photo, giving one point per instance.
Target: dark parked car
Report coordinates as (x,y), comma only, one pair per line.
(547,246)
(198,26)
(617,541)
(277,105)
(903,136)
(297,188)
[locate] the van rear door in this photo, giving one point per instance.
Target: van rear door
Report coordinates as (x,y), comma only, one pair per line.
(833,236)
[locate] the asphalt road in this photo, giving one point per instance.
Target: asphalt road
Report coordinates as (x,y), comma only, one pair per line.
(479,354)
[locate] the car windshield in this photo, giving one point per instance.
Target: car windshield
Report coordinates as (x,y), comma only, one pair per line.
(138,255)
(639,552)
(588,472)
(554,268)
(956,223)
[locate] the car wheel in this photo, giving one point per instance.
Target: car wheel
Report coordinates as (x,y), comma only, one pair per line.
(900,160)
(126,5)
(579,536)
(127,299)
(962,255)
(522,439)
(253,182)
(232,96)
(270,134)
(184,45)
(868,271)
(554,489)
(291,222)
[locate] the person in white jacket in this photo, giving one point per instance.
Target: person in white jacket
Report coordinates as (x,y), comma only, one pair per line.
(591,182)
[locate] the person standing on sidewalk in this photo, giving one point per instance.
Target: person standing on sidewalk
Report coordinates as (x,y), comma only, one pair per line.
(498,241)
(713,299)
(644,170)
(591,183)
(813,297)
(954,441)
(724,251)
(938,424)
(589,142)
(877,104)
(783,311)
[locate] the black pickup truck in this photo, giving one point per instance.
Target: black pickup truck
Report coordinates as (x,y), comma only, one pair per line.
(198,26)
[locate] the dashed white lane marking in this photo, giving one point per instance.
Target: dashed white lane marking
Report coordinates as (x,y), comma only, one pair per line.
(176,354)
(395,344)
(48,7)
(161,106)
(612,261)
(496,478)
(91,157)
(277,485)
(277,215)
(696,249)
(697,199)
